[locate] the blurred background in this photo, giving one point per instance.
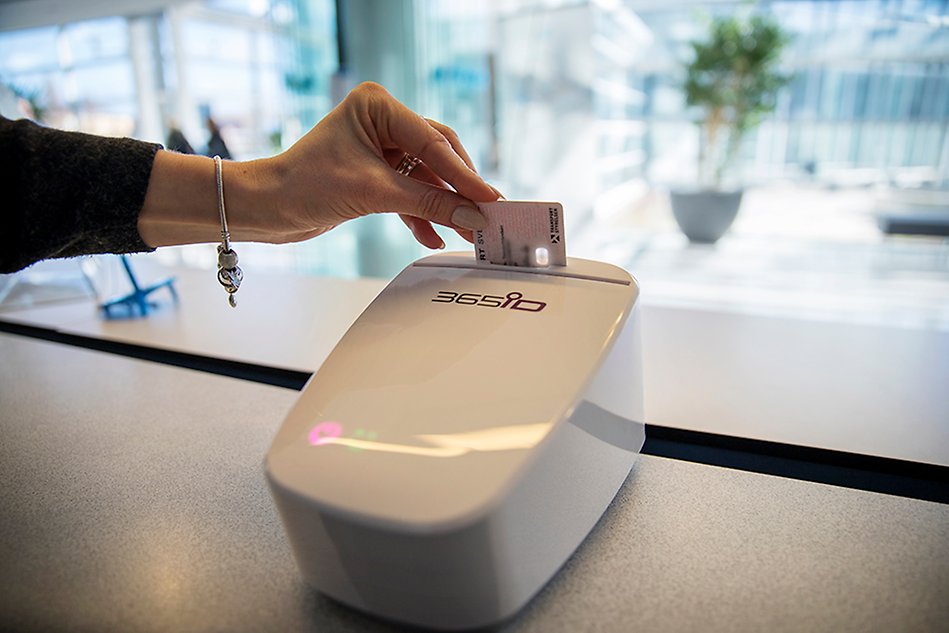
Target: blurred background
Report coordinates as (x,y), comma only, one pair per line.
(844,169)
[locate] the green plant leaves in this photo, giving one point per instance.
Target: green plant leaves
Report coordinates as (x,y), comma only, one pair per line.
(734,78)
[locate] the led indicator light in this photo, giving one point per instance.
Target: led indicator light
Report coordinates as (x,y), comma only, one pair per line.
(362,434)
(324,432)
(541,256)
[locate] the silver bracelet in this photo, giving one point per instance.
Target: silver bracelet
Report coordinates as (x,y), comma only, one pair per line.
(229,273)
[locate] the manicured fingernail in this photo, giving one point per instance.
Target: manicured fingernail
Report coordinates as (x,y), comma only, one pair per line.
(441,244)
(500,195)
(468,218)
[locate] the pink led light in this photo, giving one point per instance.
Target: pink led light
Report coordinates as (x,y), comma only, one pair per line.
(323,432)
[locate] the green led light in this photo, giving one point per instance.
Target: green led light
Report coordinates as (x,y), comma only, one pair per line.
(362,434)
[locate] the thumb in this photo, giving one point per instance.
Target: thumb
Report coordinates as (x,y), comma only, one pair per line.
(432,203)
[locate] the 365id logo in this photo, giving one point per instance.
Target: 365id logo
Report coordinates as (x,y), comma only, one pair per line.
(510,301)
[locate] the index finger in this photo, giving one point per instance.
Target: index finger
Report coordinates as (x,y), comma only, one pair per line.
(452,138)
(398,125)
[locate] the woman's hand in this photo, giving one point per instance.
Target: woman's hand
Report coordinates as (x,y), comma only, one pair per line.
(342,169)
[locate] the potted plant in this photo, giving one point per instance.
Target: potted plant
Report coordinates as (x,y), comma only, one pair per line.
(733,79)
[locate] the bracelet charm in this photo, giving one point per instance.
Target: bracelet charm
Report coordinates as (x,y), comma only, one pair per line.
(229,273)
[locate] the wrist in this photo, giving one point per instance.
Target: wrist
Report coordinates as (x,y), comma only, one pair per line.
(180,204)
(250,191)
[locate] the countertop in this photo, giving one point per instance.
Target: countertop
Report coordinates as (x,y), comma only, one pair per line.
(134,499)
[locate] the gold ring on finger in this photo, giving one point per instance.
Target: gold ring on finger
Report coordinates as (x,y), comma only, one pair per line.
(407,164)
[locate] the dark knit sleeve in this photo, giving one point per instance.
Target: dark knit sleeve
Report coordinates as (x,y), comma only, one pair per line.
(64,194)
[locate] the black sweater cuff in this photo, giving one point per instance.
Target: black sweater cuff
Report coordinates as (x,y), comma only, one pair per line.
(66,193)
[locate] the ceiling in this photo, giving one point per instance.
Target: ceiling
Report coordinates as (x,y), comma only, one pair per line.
(27,14)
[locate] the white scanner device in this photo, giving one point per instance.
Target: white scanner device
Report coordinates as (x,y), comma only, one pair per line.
(463,438)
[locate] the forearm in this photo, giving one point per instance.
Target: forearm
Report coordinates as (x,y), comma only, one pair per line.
(181,203)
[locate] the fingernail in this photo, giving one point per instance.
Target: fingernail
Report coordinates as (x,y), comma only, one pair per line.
(441,244)
(500,195)
(468,218)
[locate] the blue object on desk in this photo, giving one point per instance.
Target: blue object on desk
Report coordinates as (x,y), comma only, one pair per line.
(138,298)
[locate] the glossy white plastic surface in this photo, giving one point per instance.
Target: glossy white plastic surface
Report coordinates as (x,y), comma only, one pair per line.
(462,438)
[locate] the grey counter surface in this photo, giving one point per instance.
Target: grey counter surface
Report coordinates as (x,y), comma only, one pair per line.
(133,499)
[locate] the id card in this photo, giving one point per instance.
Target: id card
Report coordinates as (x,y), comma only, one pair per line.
(521,234)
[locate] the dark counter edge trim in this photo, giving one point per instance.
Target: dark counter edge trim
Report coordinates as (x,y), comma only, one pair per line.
(275,376)
(915,480)
(886,475)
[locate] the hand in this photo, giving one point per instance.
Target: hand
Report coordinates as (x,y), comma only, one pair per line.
(345,168)
(342,169)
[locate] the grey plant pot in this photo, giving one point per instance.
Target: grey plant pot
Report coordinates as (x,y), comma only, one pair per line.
(705,215)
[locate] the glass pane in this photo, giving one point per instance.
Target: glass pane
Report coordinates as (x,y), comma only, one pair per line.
(94,40)
(30,50)
(221,43)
